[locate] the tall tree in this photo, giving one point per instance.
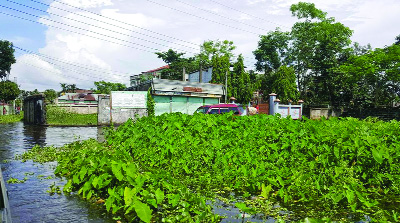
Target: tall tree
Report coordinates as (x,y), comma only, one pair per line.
(397,40)
(241,87)
(8,91)
(6,58)
(317,43)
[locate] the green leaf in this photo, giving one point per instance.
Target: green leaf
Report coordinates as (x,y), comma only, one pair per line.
(159,196)
(143,211)
(129,195)
(377,155)
(116,169)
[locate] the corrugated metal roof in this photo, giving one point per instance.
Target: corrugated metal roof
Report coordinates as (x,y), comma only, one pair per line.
(177,86)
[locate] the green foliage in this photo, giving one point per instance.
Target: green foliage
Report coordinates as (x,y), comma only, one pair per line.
(371,79)
(210,49)
(6,57)
(11,118)
(13,180)
(104,87)
(50,95)
(240,87)
(8,91)
(272,51)
(176,64)
(68,88)
(282,82)
(150,104)
(58,116)
(165,168)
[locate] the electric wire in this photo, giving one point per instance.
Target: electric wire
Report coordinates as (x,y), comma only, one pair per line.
(120,22)
(210,20)
(222,16)
(112,19)
(68,63)
(72,70)
(229,7)
(51,13)
(75,27)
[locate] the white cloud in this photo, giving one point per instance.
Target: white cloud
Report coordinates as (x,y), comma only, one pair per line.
(116,54)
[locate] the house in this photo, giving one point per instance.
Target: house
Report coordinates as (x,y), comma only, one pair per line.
(147,75)
(82,103)
(181,96)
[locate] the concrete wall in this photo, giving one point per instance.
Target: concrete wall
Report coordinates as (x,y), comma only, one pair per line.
(9,109)
(317,113)
(80,109)
(117,116)
(35,110)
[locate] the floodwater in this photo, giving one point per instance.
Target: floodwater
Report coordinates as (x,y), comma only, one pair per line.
(29,201)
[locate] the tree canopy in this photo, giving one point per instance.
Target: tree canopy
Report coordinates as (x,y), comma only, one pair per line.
(104,87)
(8,91)
(6,58)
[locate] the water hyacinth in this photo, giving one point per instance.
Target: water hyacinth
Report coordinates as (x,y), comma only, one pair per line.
(167,168)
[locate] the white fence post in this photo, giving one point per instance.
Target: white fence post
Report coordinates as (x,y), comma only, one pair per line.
(272,98)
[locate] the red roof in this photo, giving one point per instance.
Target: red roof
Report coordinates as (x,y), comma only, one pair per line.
(160,68)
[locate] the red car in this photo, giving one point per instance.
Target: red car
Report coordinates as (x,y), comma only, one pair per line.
(219,109)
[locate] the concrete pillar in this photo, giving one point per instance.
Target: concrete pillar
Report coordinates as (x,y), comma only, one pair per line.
(272,98)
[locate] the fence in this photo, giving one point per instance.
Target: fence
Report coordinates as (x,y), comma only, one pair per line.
(295,111)
(386,114)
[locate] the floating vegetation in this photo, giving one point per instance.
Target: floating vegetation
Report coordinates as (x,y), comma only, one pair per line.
(13,180)
(166,168)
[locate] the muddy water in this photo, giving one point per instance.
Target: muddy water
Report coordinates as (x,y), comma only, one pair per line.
(29,201)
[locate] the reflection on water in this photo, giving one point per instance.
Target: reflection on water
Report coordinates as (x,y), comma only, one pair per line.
(29,201)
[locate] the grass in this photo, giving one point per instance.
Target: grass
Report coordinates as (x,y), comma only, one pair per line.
(58,116)
(11,118)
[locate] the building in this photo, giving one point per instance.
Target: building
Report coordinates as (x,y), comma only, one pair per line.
(82,103)
(147,75)
(206,76)
(181,96)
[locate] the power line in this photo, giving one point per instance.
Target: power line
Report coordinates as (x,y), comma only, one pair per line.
(75,27)
(219,23)
(229,7)
(116,73)
(68,63)
(112,19)
(68,69)
(98,26)
(213,13)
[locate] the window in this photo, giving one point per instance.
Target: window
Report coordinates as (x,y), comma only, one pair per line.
(202,110)
(235,110)
(214,111)
(224,110)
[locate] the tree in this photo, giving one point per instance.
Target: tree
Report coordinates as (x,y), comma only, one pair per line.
(397,40)
(106,87)
(240,86)
(272,51)
(50,95)
(371,79)
(6,58)
(210,48)
(316,45)
(176,63)
(8,91)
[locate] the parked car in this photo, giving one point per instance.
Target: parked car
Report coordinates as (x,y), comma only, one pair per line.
(219,109)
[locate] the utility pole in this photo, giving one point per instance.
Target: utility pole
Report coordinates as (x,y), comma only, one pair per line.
(183,74)
(226,86)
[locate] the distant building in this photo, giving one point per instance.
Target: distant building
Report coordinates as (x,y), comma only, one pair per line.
(147,75)
(206,74)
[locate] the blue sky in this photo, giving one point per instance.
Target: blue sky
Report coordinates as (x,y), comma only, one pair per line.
(78,47)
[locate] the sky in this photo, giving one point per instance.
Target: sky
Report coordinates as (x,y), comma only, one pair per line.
(83,41)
